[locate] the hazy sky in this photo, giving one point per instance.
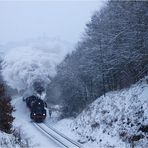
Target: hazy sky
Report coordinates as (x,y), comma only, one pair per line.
(20,20)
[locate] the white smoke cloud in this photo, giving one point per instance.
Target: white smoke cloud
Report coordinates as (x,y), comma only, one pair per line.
(22,65)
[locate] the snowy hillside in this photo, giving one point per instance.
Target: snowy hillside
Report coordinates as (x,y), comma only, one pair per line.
(119,119)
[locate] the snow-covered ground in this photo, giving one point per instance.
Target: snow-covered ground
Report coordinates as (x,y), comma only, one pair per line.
(115,120)
(118,119)
(22,120)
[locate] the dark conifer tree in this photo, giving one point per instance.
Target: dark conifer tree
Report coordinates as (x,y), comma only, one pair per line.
(6,110)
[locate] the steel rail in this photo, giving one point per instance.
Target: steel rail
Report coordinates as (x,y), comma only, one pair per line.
(65,137)
(50,135)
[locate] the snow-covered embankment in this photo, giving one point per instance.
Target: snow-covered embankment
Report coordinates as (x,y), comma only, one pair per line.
(118,119)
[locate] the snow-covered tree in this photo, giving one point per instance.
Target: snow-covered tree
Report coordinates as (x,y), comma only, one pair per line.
(111,55)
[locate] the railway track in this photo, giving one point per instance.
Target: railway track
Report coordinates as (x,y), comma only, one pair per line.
(58,137)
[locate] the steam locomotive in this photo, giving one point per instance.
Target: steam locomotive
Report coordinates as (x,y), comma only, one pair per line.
(32,96)
(37,108)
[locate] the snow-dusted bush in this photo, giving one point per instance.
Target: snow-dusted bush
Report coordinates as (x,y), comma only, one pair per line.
(17,139)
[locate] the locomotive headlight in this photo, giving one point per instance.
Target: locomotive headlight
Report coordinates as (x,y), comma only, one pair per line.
(44,114)
(34,114)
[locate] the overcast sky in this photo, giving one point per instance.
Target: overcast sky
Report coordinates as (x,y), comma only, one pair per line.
(20,20)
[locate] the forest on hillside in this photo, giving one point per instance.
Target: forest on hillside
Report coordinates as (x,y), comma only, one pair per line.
(111,55)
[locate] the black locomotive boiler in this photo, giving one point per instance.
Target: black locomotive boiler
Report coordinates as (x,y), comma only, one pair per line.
(37,108)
